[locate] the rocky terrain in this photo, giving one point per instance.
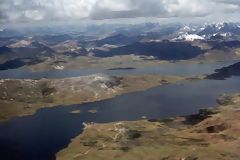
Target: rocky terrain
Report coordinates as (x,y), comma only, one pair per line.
(86,62)
(209,135)
(145,54)
(130,46)
(21,97)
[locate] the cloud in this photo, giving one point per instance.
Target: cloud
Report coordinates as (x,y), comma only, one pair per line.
(13,11)
(234,2)
(132,9)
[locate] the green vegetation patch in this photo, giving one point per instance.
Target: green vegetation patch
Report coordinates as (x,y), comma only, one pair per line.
(46,89)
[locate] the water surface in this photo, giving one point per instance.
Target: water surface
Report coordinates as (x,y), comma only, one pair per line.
(40,136)
(180,69)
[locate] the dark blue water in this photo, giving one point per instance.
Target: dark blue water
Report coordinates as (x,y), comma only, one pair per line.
(181,69)
(40,136)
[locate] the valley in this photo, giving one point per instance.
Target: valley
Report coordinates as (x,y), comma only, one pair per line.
(129,91)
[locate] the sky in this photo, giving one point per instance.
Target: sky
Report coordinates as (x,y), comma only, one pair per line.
(50,11)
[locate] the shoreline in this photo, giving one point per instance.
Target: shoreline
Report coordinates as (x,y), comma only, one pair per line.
(206,131)
(25,97)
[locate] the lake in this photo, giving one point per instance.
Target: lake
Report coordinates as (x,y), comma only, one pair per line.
(180,69)
(40,136)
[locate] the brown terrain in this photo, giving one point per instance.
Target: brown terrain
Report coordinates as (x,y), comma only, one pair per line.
(212,134)
(86,62)
(23,97)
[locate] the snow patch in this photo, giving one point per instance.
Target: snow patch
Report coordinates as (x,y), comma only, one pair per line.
(219,25)
(187,28)
(20,44)
(226,34)
(58,67)
(192,37)
(189,37)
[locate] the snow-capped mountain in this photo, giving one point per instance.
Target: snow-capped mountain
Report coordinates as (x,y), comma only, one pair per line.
(216,31)
(192,37)
(189,37)
(188,29)
(225,30)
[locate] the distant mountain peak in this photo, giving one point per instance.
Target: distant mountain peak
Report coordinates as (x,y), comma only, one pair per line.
(226,30)
(189,37)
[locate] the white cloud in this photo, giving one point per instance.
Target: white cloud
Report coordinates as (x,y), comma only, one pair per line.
(34,15)
(122,5)
(185,8)
(62,10)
